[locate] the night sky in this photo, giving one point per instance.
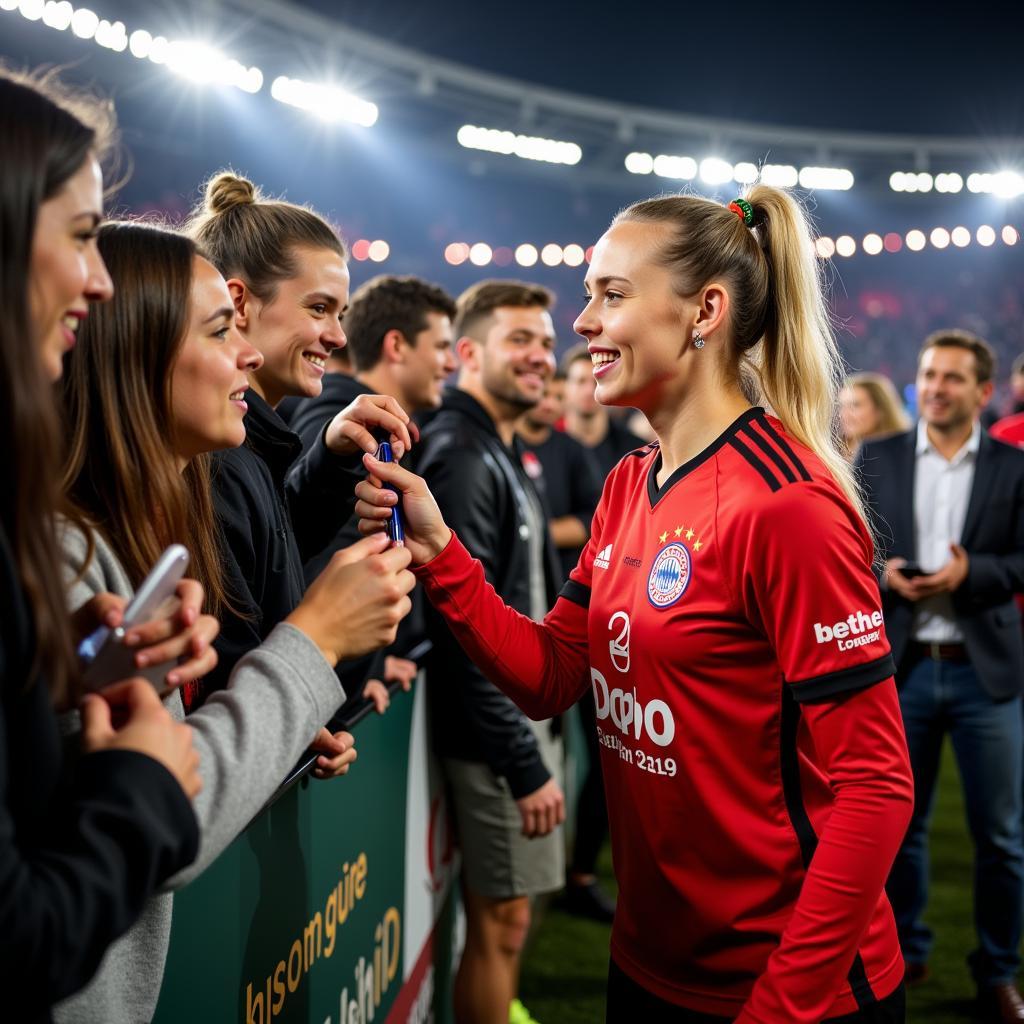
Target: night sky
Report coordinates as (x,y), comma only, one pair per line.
(910,68)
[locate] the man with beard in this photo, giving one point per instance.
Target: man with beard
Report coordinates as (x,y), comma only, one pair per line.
(498,764)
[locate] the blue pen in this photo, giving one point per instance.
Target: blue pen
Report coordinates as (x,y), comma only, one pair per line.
(396,531)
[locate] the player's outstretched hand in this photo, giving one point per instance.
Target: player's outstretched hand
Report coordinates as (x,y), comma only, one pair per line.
(426,534)
(352,430)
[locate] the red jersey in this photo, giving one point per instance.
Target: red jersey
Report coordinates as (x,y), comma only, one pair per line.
(756,776)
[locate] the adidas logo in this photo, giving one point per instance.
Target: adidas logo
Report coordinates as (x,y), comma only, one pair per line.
(603,558)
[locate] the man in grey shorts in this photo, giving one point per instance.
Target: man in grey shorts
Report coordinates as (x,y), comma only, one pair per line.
(500,767)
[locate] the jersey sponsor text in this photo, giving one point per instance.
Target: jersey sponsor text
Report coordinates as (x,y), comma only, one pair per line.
(856,630)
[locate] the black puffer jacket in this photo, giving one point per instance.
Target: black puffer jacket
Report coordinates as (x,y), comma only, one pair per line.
(482,490)
(82,848)
(276,508)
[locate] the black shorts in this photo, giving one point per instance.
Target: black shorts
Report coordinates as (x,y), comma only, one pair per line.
(628,1002)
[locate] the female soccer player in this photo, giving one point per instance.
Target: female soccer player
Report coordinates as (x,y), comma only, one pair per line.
(726,616)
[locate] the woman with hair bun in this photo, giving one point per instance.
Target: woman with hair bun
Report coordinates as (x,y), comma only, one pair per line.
(726,616)
(287,275)
(82,845)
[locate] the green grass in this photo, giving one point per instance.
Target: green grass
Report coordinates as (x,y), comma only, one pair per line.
(566,963)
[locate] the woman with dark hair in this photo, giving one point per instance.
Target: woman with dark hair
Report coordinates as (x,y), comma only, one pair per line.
(726,617)
(155,383)
(81,851)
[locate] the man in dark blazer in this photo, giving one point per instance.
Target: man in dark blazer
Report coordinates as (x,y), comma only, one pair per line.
(947,504)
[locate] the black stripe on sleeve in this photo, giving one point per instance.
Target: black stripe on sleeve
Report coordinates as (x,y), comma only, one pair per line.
(790,766)
(806,836)
(783,444)
(762,469)
(748,431)
(857,677)
(576,592)
(859,984)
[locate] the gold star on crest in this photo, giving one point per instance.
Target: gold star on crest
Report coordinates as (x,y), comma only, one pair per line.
(689,534)
(698,546)
(664,537)
(678,531)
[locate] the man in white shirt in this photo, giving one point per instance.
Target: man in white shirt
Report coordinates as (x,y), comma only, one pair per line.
(948,507)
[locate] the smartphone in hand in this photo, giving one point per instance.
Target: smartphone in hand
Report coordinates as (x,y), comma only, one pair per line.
(909,570)
(105,658)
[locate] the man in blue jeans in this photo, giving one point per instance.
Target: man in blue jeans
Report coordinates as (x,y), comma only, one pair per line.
(948,507)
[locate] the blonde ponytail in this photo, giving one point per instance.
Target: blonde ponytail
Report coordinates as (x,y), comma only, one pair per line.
(784,349)
(797,362)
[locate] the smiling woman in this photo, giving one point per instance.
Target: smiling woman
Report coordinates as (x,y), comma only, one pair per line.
(288,280)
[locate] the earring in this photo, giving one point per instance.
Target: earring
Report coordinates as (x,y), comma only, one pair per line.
(698,339)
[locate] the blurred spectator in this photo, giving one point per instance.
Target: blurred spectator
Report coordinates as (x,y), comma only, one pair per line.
(949,504)
(870,408)
(1011,428)
(567,475)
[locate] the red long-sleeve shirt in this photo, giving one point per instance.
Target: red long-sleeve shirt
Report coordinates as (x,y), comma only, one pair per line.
(754,759)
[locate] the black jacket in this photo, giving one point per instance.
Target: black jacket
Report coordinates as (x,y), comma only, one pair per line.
(993,538)
(481,487)
(309,420)
(80,852)
(275,509)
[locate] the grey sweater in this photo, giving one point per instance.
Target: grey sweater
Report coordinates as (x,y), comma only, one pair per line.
(248,736)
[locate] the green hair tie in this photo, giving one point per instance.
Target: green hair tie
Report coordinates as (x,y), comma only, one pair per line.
(743,210)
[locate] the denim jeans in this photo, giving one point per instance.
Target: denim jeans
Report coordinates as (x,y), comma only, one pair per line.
(937,697)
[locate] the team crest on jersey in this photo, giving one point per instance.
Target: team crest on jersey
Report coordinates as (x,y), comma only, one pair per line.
(669,576)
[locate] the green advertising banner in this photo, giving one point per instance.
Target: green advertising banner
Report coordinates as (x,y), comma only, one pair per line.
(335,906)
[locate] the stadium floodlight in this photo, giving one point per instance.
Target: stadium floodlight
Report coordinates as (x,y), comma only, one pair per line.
(1007,184)
(639,163)
(845,245)
(915,240)
(837,179)
(873,244)
(960,237)
(745,173)
(780,175)
(326,102)
(950,182)
(715,171)
(986,235)
(1011,236)
(668,166)
(84,23)
(893,242)
(526,255)
(573,255)
(480,254)
(140,44)
(1004,184)
(58,15)
(526,147)
(379,251)
(551,255)
(939,238)
(825,247)
(898,181)
(199,62)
